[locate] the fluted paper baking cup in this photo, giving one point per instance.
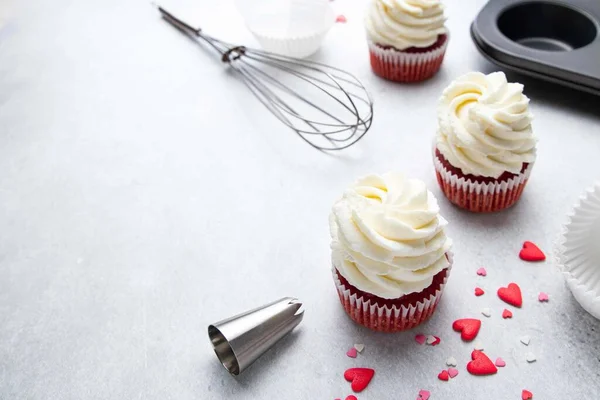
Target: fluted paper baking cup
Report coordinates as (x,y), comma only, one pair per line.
(293,28)
(405,67)
(578,250)
(385,318)
(480,196)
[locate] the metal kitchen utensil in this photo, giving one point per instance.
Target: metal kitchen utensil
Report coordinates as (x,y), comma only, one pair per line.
(327,107)
(558,41)
(240,340)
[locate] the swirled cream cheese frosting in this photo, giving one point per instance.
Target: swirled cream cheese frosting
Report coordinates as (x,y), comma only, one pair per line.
(485,125)
(387,236)
(405,23)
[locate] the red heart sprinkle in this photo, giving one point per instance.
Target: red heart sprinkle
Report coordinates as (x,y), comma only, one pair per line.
(511,295)
(436,341)
(443,376)
(481,364)
(530,252)
(506,314)
(526,395)
(351,397)
(468,327)
(479,291)
(342,19)
(360,378)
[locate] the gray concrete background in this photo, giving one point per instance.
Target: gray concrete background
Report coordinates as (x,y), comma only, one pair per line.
(144,194)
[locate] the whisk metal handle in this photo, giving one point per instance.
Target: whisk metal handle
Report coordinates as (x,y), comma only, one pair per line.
(179,23)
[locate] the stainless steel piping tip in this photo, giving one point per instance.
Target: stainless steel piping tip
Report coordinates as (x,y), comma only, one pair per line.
(240,340)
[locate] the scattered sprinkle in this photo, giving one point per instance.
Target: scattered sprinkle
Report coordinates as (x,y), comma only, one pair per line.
(543,296)
(479,292)
(451,362)
(530,252)
(468,328)
(430,339)
(478,345)
(424,394)
(481,272)
(359,347)
(481,364)
(351,397)
(530,357)
(511,295)
(506,314)
(526,395)
(360,378)
(437,341)
(443,376)
(525,340)
(486,312)
(420,338)
(500,362)
(341,19)
(452,372)
(351,353)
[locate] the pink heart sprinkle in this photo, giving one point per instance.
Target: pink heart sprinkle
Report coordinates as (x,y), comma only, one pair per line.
(341,19)
(420,338)
(543,296)
(452,372)
(424,394)
(481,272)
(500,362)
(351,353)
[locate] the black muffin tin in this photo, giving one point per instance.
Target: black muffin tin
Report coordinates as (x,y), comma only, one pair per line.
(558,41)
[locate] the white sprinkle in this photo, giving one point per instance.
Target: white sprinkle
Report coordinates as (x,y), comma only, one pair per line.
(530,357)
(478,345)
(525,340)
(486,311)
(359,347)
(451,362)
(430,339)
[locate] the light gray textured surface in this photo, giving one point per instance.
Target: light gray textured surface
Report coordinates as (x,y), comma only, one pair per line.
(145,194)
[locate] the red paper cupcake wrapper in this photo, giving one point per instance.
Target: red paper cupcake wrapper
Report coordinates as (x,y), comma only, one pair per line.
(399,66)
(386,318)
(478,196)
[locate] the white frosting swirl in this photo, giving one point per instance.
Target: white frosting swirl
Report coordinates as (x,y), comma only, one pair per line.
(405,23)
(485,125)
(387,236)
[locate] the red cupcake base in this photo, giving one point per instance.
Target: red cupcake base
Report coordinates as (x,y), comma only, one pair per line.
(479,194)
(393,315)
(410,65)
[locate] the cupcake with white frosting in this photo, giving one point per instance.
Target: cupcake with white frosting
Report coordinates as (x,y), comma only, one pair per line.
(390,254)
(407,38)
(485,148)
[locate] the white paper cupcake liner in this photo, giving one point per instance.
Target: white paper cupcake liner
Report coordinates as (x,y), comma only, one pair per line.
(406,67)
(298,47)
(577,250)
(480,196)
(385,318)
(293,28)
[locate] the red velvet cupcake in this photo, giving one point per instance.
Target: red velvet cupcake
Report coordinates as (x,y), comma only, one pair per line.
(391,258)
(485,148)
(407,39)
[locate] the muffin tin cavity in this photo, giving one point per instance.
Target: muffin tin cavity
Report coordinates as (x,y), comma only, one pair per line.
(555,40)
(547,26)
